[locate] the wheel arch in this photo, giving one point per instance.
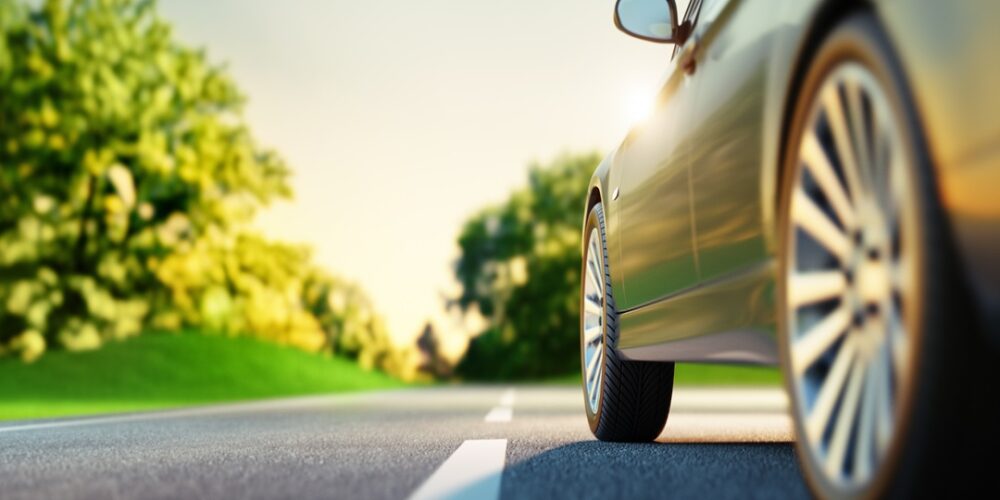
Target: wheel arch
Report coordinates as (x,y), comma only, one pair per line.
(595,189)
(593,198)
(596,193)
(825,17)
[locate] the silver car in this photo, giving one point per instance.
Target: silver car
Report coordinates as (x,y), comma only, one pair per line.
(818,187)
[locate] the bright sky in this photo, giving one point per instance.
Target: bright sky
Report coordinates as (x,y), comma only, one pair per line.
(401,118)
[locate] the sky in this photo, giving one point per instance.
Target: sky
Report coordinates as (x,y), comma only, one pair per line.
(402,118)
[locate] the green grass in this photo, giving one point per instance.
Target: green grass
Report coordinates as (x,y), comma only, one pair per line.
(706,374)
(159,370)
(691,374)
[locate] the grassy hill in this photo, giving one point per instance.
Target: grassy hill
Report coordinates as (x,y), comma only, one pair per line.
(165,370)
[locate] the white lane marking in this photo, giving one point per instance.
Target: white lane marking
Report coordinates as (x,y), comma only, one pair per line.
(504,412)
(295,403)
(507,399)
(499,414)
(473,471)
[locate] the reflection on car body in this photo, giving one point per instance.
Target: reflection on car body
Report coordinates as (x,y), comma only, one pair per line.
(816,189)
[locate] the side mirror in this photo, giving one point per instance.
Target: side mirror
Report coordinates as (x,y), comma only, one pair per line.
(651,20)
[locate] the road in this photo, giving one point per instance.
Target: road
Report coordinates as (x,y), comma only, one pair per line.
(472,442)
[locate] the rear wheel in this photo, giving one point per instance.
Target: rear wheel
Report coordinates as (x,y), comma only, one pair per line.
(874,327)
(625,400)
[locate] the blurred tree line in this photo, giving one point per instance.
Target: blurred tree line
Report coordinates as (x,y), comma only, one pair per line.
(128,179)
(520,269)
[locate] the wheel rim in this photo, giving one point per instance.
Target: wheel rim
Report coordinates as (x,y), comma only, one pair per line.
(592,336)
(850,277)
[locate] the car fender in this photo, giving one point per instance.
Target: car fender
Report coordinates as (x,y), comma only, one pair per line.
(597,190)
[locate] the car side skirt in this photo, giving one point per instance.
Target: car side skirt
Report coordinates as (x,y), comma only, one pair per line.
(726,320)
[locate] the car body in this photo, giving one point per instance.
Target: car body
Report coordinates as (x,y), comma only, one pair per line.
(815,188)
(699,235)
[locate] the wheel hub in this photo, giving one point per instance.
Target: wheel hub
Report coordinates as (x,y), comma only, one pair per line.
(872,285)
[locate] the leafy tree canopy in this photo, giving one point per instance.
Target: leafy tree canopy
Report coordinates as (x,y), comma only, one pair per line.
(520,268)
(129,177)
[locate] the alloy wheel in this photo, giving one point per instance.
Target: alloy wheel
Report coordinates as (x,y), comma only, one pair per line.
(850,277)
(593,321)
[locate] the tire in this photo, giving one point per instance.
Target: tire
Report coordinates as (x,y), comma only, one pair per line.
(630,400)
(910,341)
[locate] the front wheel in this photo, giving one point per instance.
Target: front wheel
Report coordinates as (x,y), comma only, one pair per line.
(878,351)
(625,400)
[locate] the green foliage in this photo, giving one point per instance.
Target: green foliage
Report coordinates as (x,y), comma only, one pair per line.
(157,370)
(129,178)
(520,268)
(246,284)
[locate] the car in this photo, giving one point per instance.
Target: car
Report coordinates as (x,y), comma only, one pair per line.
(818,187)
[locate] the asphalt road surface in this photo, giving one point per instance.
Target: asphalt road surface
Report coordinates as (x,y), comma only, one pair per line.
(459,442)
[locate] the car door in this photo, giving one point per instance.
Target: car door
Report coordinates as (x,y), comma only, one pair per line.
(729,70)
(654,199)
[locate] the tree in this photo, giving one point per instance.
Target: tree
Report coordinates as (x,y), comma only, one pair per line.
(520,267)
(118,146)
(129,178)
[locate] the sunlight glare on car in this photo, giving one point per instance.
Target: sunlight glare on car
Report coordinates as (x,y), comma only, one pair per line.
(637,106)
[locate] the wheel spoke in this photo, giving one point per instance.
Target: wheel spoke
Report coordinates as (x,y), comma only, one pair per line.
(902,272)
(594,278)
(592,305)
(811,345)
(845,152)
(890,164)
(883,403)
(597,385)
(897,340)
(809,288)
(819,418)
(592,334)
(859,129)
(819,226)
(863,446)
(592,364)
(819,165)
(595,259)
(845,420)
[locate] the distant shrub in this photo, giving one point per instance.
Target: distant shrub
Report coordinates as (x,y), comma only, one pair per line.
(520,269)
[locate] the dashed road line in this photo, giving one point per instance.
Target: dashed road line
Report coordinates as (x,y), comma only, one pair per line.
(505,412)
(507,399)
(499,414)
(473,471)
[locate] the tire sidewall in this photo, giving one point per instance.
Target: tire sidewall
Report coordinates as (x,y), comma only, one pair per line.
(595,220)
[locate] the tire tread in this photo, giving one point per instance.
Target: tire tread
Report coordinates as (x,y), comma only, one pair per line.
(635,398)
